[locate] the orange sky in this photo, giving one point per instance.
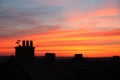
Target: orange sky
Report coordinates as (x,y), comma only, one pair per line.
(88,27)
(67,43)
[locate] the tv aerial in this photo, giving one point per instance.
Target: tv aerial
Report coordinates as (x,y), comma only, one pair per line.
(18,42)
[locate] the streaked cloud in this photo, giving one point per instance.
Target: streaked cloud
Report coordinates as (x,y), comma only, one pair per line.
(86,26)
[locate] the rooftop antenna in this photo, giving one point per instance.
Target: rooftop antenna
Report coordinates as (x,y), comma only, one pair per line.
(18,42)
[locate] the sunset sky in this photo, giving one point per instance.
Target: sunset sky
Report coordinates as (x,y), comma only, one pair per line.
(65,27)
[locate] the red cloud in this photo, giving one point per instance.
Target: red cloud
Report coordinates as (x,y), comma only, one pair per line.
(101,18)
(105,12)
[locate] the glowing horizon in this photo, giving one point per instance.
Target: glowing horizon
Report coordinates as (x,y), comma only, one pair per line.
(88,27)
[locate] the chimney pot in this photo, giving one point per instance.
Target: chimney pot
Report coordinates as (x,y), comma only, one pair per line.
(23,43)
(27,43)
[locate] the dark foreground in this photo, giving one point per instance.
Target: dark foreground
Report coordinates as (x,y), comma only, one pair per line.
(66,69)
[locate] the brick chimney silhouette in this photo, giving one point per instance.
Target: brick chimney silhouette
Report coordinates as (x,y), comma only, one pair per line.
(26,51)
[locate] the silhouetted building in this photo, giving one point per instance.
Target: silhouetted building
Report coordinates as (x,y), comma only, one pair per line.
(26,51)
(78,56)
(116,59)
(50,56)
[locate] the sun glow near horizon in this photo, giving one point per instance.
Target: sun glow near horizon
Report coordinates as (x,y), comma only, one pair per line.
(66,44)
(88,27)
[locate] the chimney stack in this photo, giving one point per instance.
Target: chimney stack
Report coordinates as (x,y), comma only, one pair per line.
(78,56)
(25,51)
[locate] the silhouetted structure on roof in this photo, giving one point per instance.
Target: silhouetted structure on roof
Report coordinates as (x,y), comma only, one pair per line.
(26,51)
(116,59)
(78,56)
(50,57)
